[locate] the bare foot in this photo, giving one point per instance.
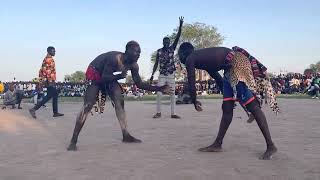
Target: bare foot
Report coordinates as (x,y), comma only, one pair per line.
(130,139)
(269,152)
(212,148)
(72,147)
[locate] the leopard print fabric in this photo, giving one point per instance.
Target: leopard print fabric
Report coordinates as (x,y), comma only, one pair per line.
(101,99)
(264,86)
(241,71)
(100,102)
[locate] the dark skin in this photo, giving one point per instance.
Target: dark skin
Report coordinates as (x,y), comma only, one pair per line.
(213,60)
(166,45)
(51,51)
(210,59)
(109,63)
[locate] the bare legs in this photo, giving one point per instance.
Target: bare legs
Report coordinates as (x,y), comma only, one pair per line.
(89,101)
(254,108)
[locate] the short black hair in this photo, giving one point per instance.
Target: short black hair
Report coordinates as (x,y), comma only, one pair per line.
(50,48)
(131,44)
(166,38)
(186,47)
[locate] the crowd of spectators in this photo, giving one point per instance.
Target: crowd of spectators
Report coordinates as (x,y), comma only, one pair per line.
(283,84)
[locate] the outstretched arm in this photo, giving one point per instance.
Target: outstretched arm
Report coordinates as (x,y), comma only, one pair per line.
(191,81)
(174,45)
(137,80)
(108,76)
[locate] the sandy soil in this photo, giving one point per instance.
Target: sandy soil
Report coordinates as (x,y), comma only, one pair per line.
(36,149)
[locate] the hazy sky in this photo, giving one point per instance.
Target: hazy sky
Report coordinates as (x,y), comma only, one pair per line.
(282,34)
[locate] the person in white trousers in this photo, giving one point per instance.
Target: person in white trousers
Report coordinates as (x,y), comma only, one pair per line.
(167,68)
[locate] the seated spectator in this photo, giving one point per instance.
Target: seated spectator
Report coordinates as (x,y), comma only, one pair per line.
(12,97)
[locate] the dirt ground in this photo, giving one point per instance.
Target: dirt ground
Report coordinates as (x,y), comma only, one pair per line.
(36,149)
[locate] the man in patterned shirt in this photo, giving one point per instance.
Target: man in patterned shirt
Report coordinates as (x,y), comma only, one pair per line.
(165,57)
(47,76)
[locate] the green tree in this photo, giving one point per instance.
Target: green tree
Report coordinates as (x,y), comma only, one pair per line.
(77,76)
(67,77)
(199,34)
(315,67)
(308,71)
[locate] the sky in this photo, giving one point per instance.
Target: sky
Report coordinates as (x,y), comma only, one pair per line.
(282,34)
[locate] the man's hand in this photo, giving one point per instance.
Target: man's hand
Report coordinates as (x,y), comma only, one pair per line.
(181,20)
(151,79)
(197,106)
(166,89)
(123,74)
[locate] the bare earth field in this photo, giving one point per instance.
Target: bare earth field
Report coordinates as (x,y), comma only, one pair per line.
(35,149)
